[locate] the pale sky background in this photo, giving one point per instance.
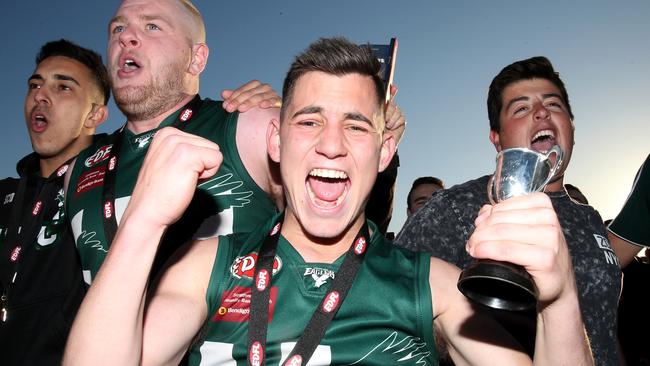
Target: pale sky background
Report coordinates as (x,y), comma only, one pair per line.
(449,51)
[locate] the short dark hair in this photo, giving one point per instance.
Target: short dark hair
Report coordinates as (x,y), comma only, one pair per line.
(335,56)
(533,68)
(420,181)
(91,59)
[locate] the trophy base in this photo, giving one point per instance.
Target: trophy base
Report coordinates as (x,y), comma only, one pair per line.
(498,285)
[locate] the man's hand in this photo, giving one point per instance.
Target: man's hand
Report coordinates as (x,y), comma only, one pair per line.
(252,94)
(395,120)
(174,163)
(525,231)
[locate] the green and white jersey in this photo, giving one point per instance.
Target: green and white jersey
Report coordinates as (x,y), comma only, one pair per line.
(386,318)
(228,202)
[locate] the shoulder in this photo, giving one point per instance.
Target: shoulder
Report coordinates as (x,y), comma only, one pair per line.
(258,118)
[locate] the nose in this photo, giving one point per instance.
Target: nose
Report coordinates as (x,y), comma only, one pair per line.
(541,113)
(41,95)
(331,142)
(129,38)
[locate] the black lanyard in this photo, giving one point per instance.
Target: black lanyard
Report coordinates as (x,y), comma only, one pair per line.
(25,226)
(322,316)
(110,174)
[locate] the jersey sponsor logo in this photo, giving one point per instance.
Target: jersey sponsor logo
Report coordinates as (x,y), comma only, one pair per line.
(244,266)
(262,280)
(296,360)
(62,170)
(320,275)
(186,115)
(15,254)
(108,209)
(37,208)
(100,155)
(608,252)
(331,302)
(360,245)
(235,305)
(408,350)
(9,198)
(90,179)
(256,354)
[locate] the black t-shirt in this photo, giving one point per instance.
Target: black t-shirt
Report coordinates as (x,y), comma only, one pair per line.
(444,224)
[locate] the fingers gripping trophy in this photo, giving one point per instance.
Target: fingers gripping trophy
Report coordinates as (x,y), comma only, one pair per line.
(503,285)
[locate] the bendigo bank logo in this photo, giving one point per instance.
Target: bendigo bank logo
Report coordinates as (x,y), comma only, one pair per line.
(244,266)
(235,305)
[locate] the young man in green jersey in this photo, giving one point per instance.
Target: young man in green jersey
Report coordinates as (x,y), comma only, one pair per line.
(330,145)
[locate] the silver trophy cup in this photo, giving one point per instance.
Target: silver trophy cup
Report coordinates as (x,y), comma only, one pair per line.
(503,285)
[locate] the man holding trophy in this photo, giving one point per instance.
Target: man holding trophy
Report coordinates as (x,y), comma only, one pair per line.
(528,107)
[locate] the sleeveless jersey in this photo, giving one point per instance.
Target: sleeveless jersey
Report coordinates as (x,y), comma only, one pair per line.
(228,202)
(386,318)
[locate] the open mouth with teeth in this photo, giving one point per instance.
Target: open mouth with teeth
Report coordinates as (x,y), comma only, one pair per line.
(543,141)
(130,65)
(327,188)
(39,122)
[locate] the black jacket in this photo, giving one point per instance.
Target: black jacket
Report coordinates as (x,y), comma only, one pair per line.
(48,289)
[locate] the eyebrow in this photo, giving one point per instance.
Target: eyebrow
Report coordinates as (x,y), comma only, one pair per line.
(523,97)
(515,100)
(56,77)
(355,116)
(146,18)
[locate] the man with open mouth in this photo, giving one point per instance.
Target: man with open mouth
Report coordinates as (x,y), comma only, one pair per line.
(40,275)
(528,106)
(318,283)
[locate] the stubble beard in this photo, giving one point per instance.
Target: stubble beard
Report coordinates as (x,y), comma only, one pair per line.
(145,102)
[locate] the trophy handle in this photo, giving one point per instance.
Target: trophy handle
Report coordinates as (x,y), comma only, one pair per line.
(558,162)
(490,191)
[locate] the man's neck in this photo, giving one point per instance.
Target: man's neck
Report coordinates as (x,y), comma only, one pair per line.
(49,165)
(138,127)
(556,184)
(314,249)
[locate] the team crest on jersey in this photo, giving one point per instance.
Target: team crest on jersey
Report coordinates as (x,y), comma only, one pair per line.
(100,155)
(244,266)
(144,140)
(9,198)
(319,275)
(50,230)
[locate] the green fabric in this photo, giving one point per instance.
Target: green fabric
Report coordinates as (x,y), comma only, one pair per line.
(386,317)
(229,202)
